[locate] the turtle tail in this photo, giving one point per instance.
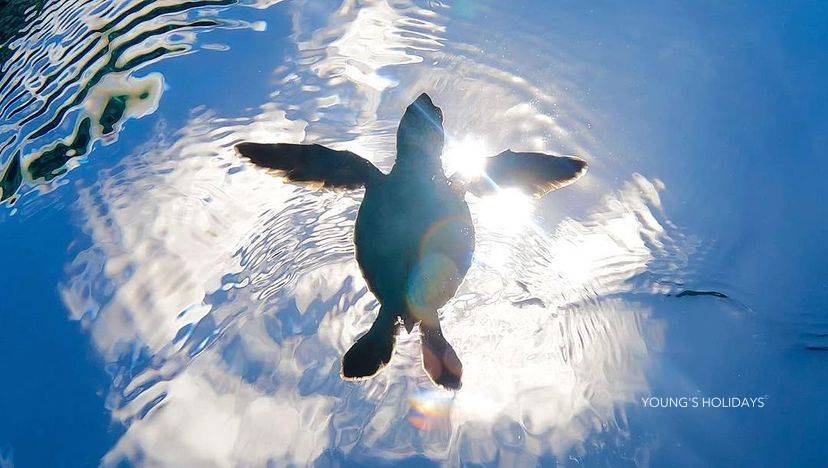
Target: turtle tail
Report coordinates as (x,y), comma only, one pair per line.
(373,350)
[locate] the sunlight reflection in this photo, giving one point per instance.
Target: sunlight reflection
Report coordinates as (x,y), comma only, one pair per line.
(509,211)
(254,294)
(466,156)
(551,375)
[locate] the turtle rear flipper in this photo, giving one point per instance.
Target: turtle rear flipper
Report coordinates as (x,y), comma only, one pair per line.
(373,350)
(439,359)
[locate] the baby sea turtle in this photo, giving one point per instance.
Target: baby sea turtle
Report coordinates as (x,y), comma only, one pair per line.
(414,235)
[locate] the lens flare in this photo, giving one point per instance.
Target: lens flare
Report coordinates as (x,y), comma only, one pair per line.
(430,409)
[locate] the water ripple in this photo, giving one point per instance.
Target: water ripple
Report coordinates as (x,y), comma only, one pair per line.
(223,298)
(80,60)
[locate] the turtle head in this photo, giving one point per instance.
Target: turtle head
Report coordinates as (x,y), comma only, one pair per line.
(420,136)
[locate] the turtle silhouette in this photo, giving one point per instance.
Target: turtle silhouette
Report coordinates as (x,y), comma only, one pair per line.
(414,236)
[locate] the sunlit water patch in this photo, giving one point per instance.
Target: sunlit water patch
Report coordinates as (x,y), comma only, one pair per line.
(230,283)
(207,277)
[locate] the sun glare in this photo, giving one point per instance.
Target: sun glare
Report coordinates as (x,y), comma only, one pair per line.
(466,156)
(506,210)
(509,210)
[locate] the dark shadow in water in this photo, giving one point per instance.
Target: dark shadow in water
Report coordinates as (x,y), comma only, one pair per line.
(691,292)
(11,179)
(50,164)
(12,20)
(815,341)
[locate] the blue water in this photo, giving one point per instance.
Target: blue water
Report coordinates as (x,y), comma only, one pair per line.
(163,303)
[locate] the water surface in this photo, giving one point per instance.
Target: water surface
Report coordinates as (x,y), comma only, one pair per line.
(165,303)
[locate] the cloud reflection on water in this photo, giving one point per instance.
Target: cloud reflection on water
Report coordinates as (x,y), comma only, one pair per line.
(224,298)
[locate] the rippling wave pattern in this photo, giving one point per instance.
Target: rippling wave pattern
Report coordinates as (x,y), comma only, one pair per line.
(222,298)
(70,74)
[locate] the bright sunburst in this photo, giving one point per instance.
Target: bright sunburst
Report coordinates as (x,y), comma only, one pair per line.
(466,156)
(507,209)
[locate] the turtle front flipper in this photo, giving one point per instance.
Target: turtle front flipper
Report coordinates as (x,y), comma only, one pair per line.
(373,350)
(536,174)
(439,359)
(312,164)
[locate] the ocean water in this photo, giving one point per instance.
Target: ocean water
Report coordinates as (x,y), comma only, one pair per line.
(163,303)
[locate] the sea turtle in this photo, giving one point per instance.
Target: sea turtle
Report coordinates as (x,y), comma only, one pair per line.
(414,235)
